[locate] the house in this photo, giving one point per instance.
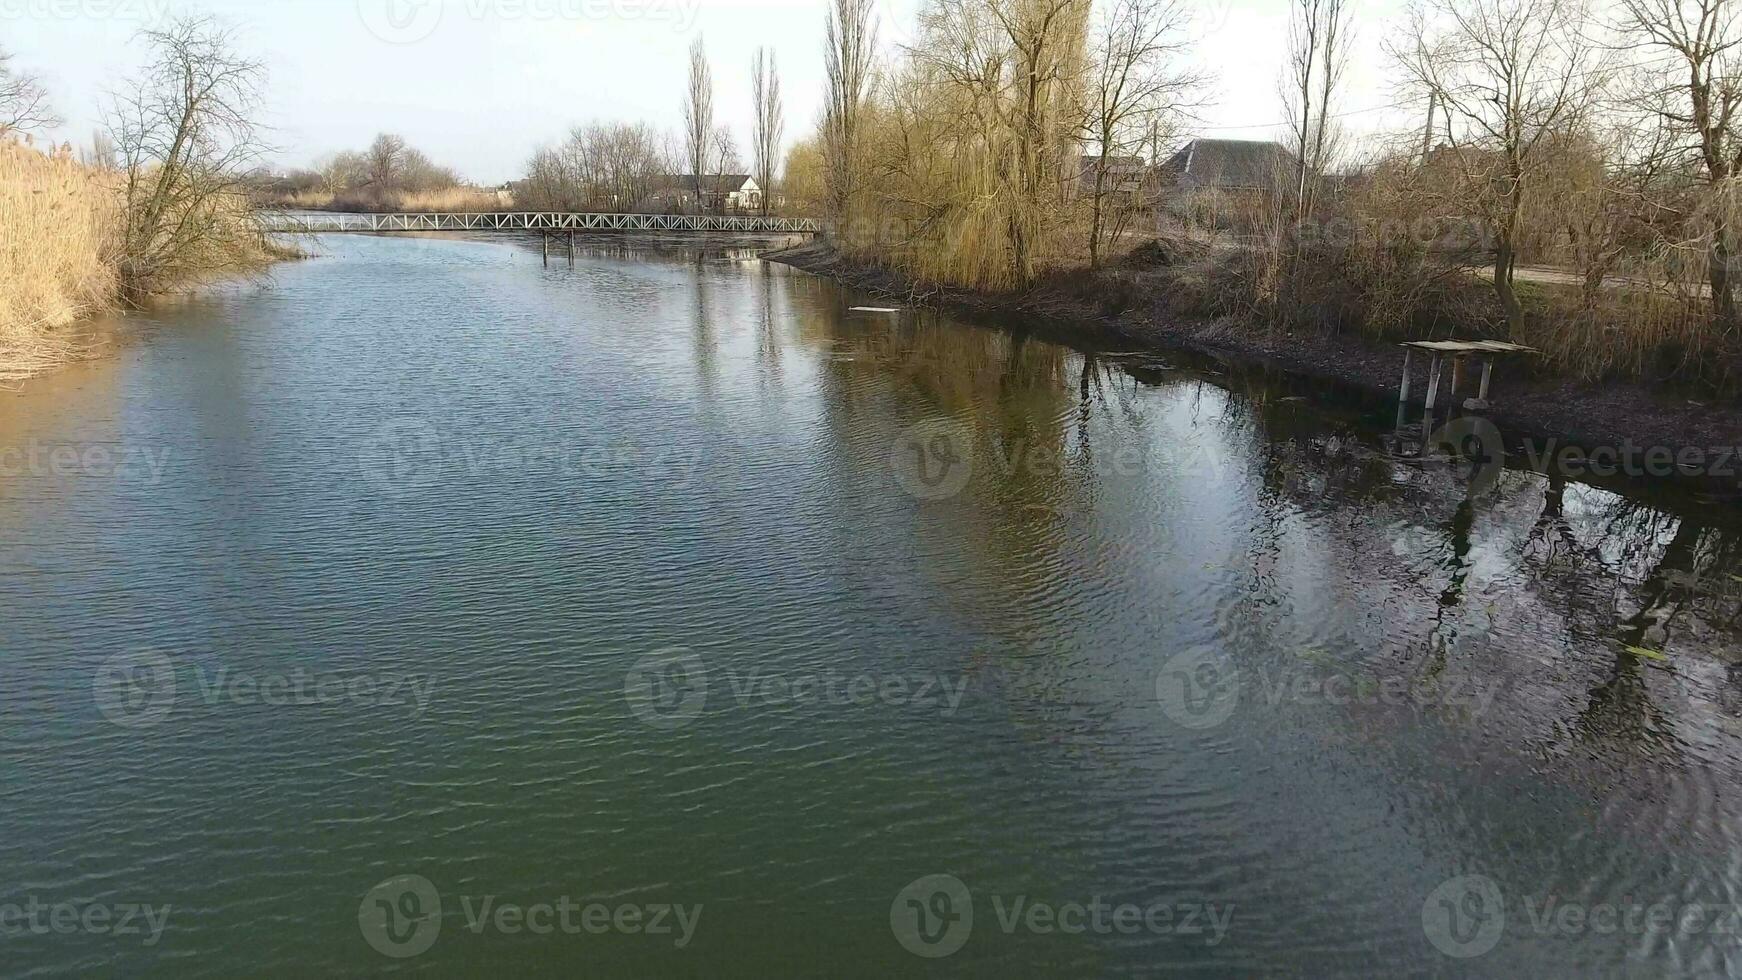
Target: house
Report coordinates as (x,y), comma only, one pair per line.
(1224,184)
(720,193)
(1125,177)
(1228,165)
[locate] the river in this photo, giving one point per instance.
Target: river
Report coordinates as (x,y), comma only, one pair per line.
(429,609)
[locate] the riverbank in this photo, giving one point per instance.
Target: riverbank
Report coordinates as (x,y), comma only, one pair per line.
(62,253)
(1528,401)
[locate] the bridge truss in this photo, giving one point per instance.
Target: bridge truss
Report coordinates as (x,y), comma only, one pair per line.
(545,221)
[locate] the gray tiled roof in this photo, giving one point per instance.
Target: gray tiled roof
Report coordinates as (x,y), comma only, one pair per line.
(1230,163)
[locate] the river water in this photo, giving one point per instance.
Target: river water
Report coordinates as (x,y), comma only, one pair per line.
(431,610)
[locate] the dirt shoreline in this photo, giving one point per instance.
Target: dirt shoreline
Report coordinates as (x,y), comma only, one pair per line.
(1527,405)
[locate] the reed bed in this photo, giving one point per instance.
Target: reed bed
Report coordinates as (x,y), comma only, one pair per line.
(58,255)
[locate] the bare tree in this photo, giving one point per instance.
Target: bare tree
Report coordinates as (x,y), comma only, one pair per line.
(102,152)
(698,114)
(851,40)
(770,120)
(1694,93)
(601,166)
(386,162)
(23,101)
(1137,90)
(186,140)
(1318,42)
(1510,75)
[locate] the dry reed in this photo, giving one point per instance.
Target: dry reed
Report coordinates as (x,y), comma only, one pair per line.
(57,255)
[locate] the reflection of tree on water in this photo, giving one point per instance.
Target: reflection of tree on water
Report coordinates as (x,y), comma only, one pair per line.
(1396,553)
(768,331)
(702,329)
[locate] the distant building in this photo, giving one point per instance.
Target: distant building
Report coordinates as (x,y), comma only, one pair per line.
(721,193)
(1228,185)
(1229,165)
(1125,177)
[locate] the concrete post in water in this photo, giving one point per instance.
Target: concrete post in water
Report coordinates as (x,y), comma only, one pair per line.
(571,249)
(1433,381)
(544,247)
(1403,388)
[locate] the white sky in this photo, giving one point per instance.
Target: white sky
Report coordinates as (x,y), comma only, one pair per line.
(479,84)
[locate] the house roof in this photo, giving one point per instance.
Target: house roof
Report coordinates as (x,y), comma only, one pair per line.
(1230,163)
(711,183)
(1090,159)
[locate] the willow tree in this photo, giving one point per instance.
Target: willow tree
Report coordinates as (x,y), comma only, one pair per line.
(185,138)
(1014,71)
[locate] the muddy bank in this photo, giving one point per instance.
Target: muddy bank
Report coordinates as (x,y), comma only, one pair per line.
(1528,403)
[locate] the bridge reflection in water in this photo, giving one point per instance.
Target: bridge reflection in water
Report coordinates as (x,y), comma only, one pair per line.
(535,221)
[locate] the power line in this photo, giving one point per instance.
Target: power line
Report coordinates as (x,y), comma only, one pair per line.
(1671,59)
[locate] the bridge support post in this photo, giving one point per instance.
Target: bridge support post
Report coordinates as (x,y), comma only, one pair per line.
(571,250)
(544,247)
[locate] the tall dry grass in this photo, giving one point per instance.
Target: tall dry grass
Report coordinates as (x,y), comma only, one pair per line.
(58,255)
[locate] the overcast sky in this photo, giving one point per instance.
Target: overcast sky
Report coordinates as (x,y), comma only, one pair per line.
(479,84)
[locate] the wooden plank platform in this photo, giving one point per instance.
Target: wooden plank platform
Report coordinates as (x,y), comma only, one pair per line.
(1457,350)
(1470,347)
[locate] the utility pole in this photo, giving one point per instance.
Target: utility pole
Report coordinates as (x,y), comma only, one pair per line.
(1427,130)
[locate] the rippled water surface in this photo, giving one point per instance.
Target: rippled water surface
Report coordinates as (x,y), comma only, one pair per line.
(633,585)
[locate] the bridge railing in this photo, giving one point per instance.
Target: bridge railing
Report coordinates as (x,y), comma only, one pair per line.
(534,221)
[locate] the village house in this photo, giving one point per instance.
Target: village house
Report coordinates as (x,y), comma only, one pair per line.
(1214,183)
(720,194)
(1125,181)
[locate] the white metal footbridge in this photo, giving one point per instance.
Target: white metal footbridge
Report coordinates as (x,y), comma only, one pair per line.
(540,221)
